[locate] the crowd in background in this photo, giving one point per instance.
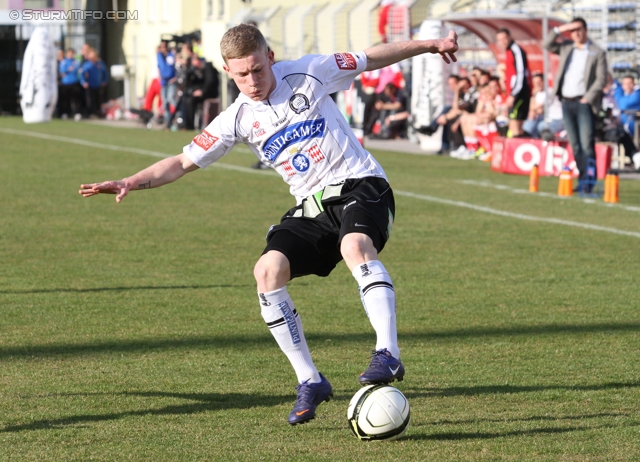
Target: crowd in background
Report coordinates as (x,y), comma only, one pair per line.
(182,81)
(585,105)
(185,80)
(81,83)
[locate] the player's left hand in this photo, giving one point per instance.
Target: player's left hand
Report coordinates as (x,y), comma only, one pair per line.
(448,46)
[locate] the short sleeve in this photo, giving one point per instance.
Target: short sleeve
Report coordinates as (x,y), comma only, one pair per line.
(215,141)
(336,71)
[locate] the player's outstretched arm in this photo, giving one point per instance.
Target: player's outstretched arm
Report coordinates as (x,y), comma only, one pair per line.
(385,54)
(163,172)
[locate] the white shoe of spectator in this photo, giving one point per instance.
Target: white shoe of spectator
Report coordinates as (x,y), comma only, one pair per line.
(461,151)
(468,154)
(636,160)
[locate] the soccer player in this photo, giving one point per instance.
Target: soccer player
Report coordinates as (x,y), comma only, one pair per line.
(345,207)
(517,81)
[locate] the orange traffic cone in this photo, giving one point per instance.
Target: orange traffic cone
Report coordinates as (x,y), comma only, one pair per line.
(607,187)
(565,184)
(534,179)
(611,187)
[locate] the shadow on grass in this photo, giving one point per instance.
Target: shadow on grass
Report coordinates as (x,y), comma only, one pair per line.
(453,436)
(534,418)
(204,402)
(120,346)
(118,289)
(510,389)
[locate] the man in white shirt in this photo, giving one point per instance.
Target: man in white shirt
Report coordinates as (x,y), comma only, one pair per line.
(582,74)
(345,207)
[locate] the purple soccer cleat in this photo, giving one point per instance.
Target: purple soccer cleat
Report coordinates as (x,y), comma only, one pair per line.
(384,368)
(310,395)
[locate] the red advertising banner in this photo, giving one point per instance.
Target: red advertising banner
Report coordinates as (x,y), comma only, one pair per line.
(518,155)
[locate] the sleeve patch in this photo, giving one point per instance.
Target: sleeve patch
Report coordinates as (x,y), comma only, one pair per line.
(205,140)
(346,61)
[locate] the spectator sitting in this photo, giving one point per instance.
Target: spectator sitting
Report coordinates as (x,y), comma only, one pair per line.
(70,85)
(481,123)
(389,74)
(463,101)
(484,77)
(616,123)
(201,83)
(369,81)
(627,99)
(393,113)
(474,79)
(536,106)
(452,82)
(94,77)
(548,130)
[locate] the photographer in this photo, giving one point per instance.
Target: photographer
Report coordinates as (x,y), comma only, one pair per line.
(200,83)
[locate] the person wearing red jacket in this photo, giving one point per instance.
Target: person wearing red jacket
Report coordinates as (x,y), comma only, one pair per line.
(517,81)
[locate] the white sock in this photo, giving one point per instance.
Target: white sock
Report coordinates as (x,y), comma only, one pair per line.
(286,327)
(379,301)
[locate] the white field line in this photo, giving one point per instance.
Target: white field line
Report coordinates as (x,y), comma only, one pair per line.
(519,216)
(586,200)
(114,147)
(424,197)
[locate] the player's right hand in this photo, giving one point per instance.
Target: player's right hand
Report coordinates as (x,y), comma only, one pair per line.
(448,46)
(119,188)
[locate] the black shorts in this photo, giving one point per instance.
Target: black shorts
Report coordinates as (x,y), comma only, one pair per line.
(309,234)
(520,109)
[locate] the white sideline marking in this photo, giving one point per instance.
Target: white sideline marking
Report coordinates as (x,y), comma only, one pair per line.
(519,216)
(586,200)
(114,147)
(424,197)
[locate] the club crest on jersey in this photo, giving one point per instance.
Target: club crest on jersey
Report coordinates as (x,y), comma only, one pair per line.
(300,162)
(292,134)
(345,61)
(205,140)
(299,103)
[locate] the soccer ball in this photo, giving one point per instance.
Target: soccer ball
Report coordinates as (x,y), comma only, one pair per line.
(378,412)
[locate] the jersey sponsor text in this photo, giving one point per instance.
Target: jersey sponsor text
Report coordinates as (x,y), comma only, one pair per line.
(292,134)
(345,61)
(205,140)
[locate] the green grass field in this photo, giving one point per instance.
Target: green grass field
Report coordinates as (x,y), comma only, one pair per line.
(132,331)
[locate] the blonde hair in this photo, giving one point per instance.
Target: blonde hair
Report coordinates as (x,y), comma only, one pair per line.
(242,40)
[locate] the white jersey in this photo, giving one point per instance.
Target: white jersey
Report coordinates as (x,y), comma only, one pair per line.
(298,130)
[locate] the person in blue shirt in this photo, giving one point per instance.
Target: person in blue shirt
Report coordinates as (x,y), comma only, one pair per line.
(94,77)
(70,84)
(167,70)
(628,101)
